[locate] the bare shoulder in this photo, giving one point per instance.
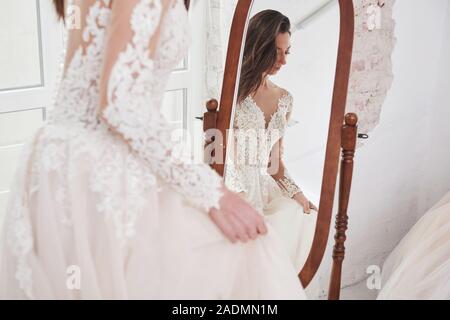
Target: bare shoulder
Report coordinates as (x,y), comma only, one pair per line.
(284,97)
(281,92)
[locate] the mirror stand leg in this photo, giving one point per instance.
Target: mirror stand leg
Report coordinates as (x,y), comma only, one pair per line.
(348,144)
(209,123)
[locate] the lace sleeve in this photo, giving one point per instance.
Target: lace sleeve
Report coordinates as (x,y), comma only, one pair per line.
(284,181)
(287,185)
(131,96)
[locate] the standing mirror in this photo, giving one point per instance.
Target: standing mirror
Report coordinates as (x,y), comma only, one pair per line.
(280,116)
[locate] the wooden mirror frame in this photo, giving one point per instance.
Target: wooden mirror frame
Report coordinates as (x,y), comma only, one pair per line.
(222,119)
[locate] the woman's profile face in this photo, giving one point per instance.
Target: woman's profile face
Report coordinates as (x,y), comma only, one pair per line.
(283,43)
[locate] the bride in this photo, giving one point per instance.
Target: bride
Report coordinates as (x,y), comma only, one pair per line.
(99,198)
(255,168)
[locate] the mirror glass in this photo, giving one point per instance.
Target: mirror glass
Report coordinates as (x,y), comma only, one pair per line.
(276,148)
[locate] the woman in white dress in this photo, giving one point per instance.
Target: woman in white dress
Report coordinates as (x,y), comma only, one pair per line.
(101,210)
(419,267)
(255,168)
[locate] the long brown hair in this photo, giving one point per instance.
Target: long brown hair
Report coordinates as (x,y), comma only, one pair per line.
(260,53)
(59,6)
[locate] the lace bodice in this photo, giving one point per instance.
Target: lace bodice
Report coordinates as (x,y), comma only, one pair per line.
(117,67)
(249,164)
(250,122)
(77,98)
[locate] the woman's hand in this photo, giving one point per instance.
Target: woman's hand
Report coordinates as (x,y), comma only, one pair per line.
(305,203)
(237,219)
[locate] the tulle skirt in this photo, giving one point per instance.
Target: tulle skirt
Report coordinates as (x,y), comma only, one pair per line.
(291,225)
(295,228)
(87,220)
(419,267)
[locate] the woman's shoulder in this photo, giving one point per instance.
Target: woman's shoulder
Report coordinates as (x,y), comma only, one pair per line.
(285,98)
(282,92)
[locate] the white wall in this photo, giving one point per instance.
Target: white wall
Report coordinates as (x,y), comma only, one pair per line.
(404,168)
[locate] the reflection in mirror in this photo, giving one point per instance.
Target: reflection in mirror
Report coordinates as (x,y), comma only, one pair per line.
(276,150)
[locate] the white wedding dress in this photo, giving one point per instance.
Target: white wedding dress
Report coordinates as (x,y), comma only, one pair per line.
(133,222)
(257,145)
(419,267)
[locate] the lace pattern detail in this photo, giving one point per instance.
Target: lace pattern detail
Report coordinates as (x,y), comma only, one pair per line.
(254,137)
(78,95)
(288,187)
(19,233)
(124,186)
(133,100)
(18,228)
